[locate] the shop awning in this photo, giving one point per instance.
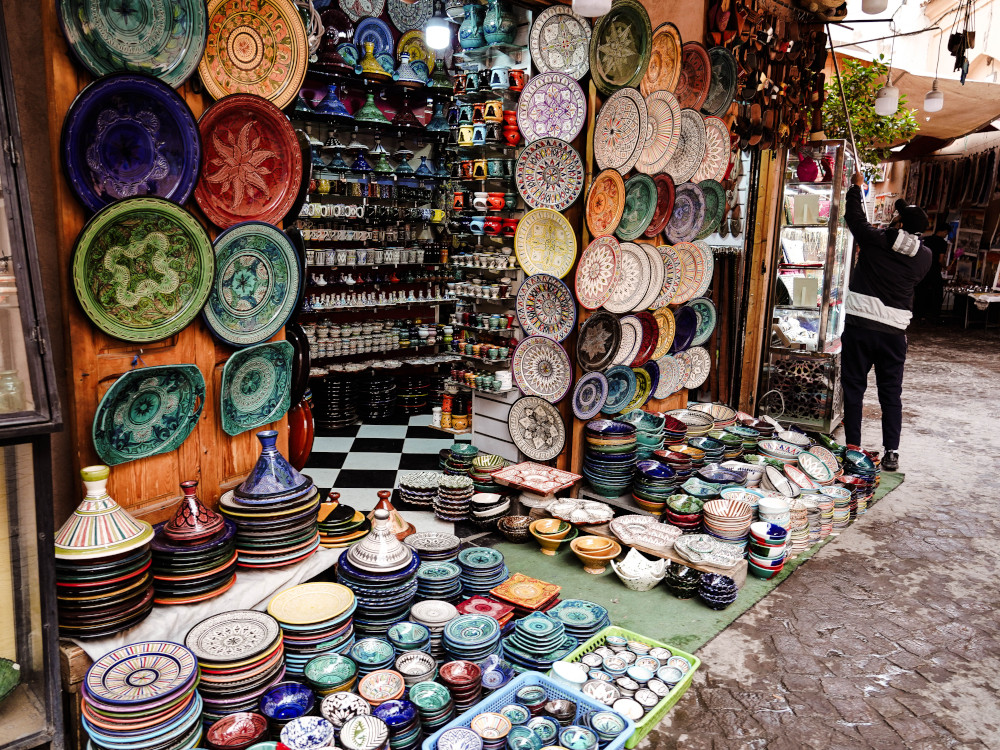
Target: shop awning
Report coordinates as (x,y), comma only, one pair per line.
(966,108)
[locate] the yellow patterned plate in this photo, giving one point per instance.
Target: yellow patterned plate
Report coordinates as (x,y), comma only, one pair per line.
(310,603)
(545,243)
(412,43)
(665,320)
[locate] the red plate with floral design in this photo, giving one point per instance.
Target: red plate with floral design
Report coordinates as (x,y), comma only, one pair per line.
(664,205)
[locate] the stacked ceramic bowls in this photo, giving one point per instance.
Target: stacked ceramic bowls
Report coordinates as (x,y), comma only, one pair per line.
(581,619)
(419,488)
(752,473)
(342,525)
(827,500)
(143,695)
(284,703)
(330,673)
(381,686)
(649,431)
(275,511)
(842,502)
(728,520)
(674,430)
(482,569)
(779,450)
(484,466)
(717,591)
(698,423)
(717,474)
(492,730)
(767,549)
(813,518)
(462,678)
(609,456)
(315,619)
(411,394)
(460,458)
(376,396)
(335,397)
(713,449)
(409,636)
(416,666)
(103,581)
(654,482)
(454,495)
(434,546)
(747,435)
(733,444)
(773,508)
(381,571)
(722,415)
(748,496)
(439,580)
(434,615)
(403,720)
(241,655)
(537,641)
(488,508)
(472,637)
(682,581)
(684,512)
(339,708)
(236,731)
(372,655)
(798,527)
(435,704)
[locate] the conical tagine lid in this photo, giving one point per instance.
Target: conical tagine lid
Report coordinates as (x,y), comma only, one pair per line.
(192,521)
(400,527)
(272,475)
(380,551)
(99,527)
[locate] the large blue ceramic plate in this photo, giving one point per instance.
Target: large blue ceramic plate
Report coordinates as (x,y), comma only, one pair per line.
(256,383)
(621,388)
(130,135)
(376,31)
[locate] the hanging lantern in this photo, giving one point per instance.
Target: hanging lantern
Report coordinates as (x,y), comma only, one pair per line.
(934,99)
(887,101)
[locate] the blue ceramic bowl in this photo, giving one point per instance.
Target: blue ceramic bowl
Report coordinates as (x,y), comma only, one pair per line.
(396,713)
(287,701)
(522,738)
(717,475)
(610,428)
(654,470)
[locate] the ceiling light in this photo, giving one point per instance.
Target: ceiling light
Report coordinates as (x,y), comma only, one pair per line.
(591,8)
(934,99)
(887,101)
(873,7)
(437,32)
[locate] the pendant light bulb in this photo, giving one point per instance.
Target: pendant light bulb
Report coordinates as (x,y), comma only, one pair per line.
(437,32)
(874,7)
(934,99)
(592,8)
(887,101)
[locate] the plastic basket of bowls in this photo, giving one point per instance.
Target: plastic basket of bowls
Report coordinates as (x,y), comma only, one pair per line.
(655,714)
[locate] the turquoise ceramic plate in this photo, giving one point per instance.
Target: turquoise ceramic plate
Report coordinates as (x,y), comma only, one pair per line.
(255,386)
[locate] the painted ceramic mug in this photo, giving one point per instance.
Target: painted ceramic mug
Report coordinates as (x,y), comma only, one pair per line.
(465,114)
(494,168)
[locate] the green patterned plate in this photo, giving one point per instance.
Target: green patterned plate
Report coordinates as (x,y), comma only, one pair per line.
(255,386)
(620,46)
(148,411)
(640,205)
(142,269)
(715,207)
(256,284)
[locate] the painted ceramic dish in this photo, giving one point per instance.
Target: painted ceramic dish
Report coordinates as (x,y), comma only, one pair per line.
(697,265)
(559,40)
(631,340)
(621,388)
(671,377)
(542,368)
(140,673)
(412,43)
(256,383)
(142,269)
(148,411)
(620,46)
(664,69)
(687,325)
(690,148)
(256,285)
(704,308)
(233,636)
(696,75)
(255,47)
(376,31)
(722,82)
(715,206)
(597,272)
(537,428)
(663,126)
(410,16)
(549,174)
(715,163)
(671,275)
(605,202)
(597,341)
(166,40)
(633,279)
(706,268)
(688,215)
(545,243)
(665,329)
(130,135)
(700,363)
(545,307)
(251,162)
(656,272)
(640,205)
(358,9)
(665,194)
(589,395)
(552,105)
(620,131)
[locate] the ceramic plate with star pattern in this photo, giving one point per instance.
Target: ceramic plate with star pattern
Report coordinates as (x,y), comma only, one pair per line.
(551,105)
(620,131)
(597,272)
(545,307)
(542,368)
(597,341)
(633,280)
(537,428)
(545,243)
(559,40)
(620,46)
(605,202)
(549,174)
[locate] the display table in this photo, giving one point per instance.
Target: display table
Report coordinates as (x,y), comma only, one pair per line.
(983,301)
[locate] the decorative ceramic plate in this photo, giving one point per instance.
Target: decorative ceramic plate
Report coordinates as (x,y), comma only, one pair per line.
(672,270)
(718,151)
(310,603)
(631,340)
(605,202)
(358,9)
(148,411)
(130,135)
(690,149)
(232,636)
(165,39)
(671,377)
(559,40)
(656,272)
(696,75)
(694,268)
(640,205)
(663,126)
(701,365)
(620,131)
(552,105)
(537,428)
(633,279)
(255,47)
(704,308)
(142,269)
(255,386)
(688,215)
(664,70)
(542,368)
(545,307)
(413,44)
(664,205)
(589,395)
(376,31)
(251,162)
(707,268)
(410,16)
(620,46)
(140,673)
(666,327)
(715,206)
(597,272)
(621,388)
(650,336)
(549,174)
(545,243)
(256,284)
(722,84)
(597,341)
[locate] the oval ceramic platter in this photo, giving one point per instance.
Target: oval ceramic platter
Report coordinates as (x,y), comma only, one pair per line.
(549,174)
(545,243)
(148,411)
(620,46)
(256,383)
(545,307)
(257,284)
(559,40)
(142,269)
(605,202)
(165,40)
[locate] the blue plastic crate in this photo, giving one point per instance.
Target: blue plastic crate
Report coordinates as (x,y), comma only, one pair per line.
(585,707)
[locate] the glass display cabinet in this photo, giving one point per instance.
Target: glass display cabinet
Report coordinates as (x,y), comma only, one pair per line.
(811,259)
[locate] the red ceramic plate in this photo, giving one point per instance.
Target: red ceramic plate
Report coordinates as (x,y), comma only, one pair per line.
(664,205)
(251,164)
(650,337)
(696,76)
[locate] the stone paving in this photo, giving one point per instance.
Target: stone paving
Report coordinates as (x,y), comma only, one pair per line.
(888,637)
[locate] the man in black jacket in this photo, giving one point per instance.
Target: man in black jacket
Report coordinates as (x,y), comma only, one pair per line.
(879,306)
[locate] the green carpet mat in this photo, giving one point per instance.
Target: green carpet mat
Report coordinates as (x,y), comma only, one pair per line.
(684,623)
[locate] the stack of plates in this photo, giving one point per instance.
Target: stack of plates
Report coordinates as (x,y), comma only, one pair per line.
(722,415)
(488,508)
(403,720)
(697,455)
(434,703)
(335,401)
(419,488)
(439,580)
(825,503)
(143,695)
(434,546)
(384,598)
(713,449)
(315,619)
(775,509)
(527,595)
(459,459)
(472,637)
(330,673)
(841,516)
(654,482)
(537,641)
(728,520)
(409,636)
(698,423)
(483,605)
(482,569)
(241,655)
(453,497)
(484,466)
(582,619)
(748,436)
(674,430)
(798,530)
(184,573)
(784,452)
(434,615)
(609,457)
(411,393)
(342,525)
(464,681)
(377,396)
(684,512)
(372,655)
(416,666)
(733,444)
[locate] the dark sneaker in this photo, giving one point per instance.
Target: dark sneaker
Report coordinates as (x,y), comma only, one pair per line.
(890,461)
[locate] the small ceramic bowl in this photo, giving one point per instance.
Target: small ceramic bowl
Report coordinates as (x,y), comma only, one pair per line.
(515,528)
(286,701)
(460,673)
(595,555)
(552,528)
(307,733)
(549,545)
(236,730)
(522,738)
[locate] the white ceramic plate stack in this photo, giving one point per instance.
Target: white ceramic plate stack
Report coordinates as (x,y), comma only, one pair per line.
(434,615)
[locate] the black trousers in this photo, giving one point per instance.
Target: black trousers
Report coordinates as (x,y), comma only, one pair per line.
(862,349)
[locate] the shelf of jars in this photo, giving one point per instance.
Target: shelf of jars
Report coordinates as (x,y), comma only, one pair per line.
(479,379)
(316,90)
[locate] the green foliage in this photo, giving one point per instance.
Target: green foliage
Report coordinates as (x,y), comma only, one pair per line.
(872,133)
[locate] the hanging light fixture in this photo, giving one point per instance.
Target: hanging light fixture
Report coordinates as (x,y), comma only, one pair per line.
(887,97)
(934,99)
(437,32)
(592,8)
(874,7)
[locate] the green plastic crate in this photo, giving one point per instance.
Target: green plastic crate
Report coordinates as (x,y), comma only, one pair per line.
(651,719)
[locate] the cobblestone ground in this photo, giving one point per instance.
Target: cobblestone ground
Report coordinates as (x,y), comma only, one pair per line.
(888,637)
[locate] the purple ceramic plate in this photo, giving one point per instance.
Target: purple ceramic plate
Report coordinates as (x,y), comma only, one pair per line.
(686,320)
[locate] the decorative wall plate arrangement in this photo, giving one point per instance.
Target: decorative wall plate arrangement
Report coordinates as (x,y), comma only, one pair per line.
(631,340)
(620,131)
(256,384)
(697,266)
(256,285)
(545,307)
(664,69)
(688,216)
(648,340)
(251,162)
(142,269)
(707,266)
(704,308)
(410,16)
(640,205)
(559,40)
(690,148)
(665,327)
(715,207)
(715,164)
(621,388)
(698,365)
(148,411)
(656,272)
(663,126)
(671,377)
(542,368)
(128,135)
(358,9)
(597,272)
(549,174)
(722,83)
(537,428)
(165,41)
(545,243)
(696,75)
(664,205)
(376,31)
(589,395)
(620,46)
(605,202)
(597,341)
(257,47)
(552,105)
(672,270)
(633,279)
(413,44)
